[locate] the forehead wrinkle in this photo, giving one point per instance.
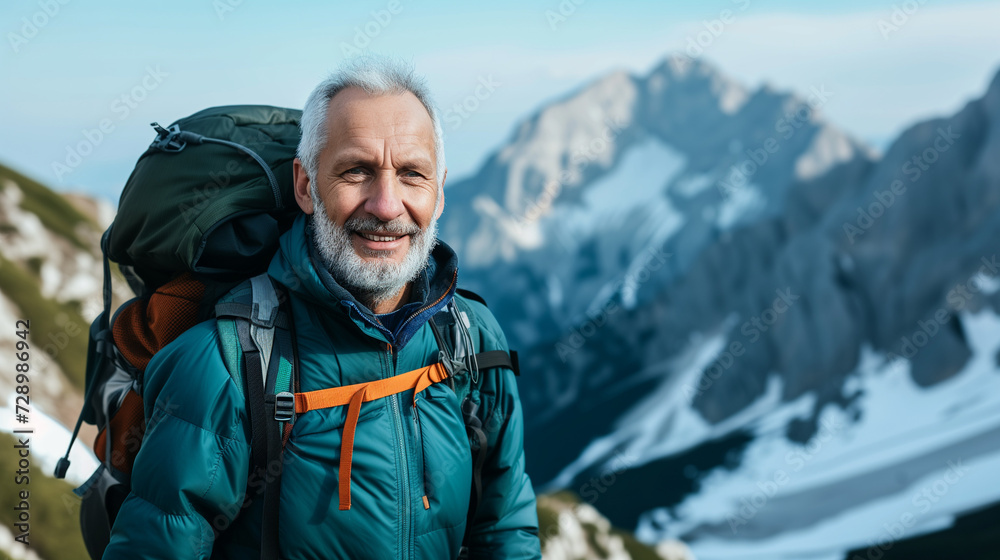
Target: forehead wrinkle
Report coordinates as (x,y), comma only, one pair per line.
(358,133)
(399,155)
(405,149)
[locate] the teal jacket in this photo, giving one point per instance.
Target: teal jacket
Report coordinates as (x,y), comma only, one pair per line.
(191,474)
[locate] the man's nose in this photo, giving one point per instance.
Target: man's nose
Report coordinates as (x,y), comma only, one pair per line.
(384,197)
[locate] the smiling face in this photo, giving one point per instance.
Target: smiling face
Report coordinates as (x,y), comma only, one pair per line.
(376,199)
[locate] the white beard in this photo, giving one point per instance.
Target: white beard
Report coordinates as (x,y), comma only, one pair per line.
(376,281)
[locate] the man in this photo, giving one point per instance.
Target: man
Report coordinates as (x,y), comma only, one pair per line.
(364,273)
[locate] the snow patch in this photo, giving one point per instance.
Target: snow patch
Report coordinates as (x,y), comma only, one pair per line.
(899,423)
(48,443)
(740,205)
(639,180)
(828,148)
(690,186)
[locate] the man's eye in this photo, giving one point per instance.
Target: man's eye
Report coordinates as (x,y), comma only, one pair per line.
(413,174)
(356,171)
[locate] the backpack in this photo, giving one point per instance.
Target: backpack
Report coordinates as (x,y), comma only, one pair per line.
(198,222)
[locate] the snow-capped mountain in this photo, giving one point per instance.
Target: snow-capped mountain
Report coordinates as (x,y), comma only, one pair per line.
(773,337)
(627,176)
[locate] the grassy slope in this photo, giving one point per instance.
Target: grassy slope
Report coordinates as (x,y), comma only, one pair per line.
(54,509)
(55,212)
(51,322)
(48,330)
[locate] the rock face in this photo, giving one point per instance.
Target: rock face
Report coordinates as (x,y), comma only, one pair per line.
(572,530)
(673,252)
(593,185)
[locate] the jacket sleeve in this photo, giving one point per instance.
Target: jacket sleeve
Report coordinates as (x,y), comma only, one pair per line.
(506,522)
(190,475)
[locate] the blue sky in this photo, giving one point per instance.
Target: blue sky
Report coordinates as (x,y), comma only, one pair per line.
(66,73)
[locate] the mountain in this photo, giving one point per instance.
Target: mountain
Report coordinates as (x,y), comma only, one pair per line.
(771,334)
(625,171)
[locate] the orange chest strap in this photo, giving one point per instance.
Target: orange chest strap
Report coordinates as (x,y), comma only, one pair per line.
(353,396)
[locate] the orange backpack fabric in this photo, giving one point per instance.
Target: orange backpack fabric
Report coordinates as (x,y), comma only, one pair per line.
(140,330)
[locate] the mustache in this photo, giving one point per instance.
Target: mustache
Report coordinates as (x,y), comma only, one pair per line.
(372,224)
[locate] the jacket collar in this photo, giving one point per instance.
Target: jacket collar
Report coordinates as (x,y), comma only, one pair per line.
(298,266)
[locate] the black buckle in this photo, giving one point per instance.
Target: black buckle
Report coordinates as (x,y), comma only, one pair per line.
(284,406)
(167,139)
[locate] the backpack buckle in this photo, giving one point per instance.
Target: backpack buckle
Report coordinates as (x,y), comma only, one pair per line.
(167,139)
(284,406)
(452,366)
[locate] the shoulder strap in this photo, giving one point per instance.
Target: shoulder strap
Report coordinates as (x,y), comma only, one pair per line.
(457,351)
(469,294)
(262,321)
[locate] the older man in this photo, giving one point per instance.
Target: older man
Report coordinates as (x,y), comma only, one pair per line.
(391,475)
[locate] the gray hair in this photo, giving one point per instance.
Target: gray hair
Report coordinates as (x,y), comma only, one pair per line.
(376,75)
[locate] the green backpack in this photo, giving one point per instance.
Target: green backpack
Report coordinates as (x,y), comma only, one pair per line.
(201,212)
(216,209)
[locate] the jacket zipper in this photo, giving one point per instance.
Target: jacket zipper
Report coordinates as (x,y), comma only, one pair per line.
(401,442)
(401,446)
(420,451)
(426,307)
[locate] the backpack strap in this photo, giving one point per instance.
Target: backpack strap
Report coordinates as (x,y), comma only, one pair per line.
(261,320)
(457,352)
(100,353)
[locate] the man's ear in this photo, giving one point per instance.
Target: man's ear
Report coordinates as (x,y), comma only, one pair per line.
(440,206)
(302,187)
